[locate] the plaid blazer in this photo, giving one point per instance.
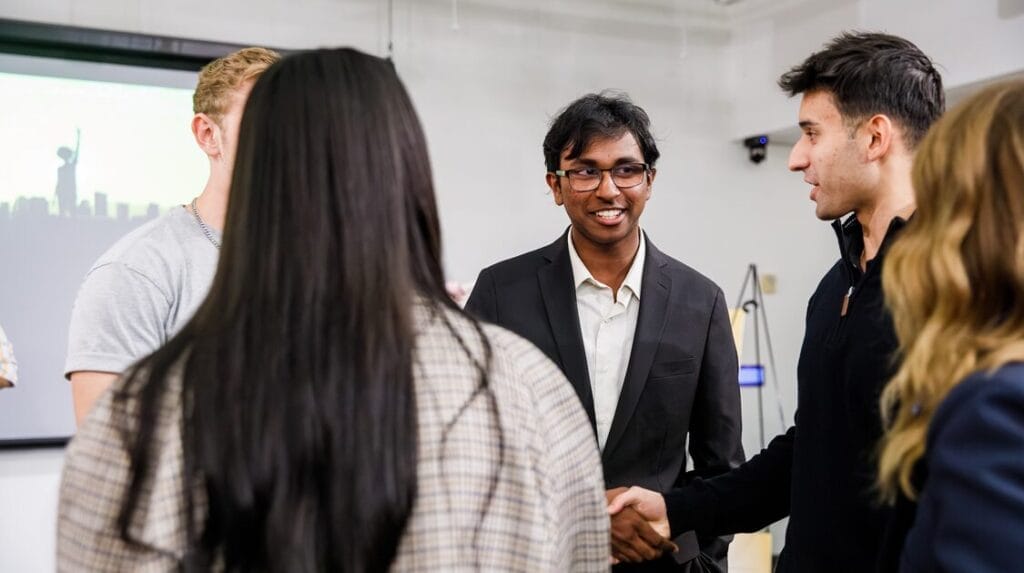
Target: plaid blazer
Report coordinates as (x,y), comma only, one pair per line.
(547,512)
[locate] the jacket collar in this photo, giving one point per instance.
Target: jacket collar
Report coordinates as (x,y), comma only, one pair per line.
(559,295)
(850,235)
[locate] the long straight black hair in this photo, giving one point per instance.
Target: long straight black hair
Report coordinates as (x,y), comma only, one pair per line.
(299,414)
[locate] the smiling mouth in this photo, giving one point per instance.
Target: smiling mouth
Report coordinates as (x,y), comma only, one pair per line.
(609,214)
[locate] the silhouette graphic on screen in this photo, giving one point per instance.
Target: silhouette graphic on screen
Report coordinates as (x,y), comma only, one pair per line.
(67,189)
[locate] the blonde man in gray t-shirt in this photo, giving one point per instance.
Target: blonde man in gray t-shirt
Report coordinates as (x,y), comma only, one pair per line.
(146,287)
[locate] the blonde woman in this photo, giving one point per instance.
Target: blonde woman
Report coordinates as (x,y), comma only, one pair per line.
(955,284)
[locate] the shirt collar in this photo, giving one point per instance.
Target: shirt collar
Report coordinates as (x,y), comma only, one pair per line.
(634,277)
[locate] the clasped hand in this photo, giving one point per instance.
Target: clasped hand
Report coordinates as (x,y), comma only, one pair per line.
(639,525)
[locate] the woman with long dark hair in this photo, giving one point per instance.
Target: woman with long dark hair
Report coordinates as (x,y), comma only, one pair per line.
(329,407)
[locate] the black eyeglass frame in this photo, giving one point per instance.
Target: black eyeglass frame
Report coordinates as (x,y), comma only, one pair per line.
(566,173)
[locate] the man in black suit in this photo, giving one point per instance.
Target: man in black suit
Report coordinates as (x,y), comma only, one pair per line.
(644,339)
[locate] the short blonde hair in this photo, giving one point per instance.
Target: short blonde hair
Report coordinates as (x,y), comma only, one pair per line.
(222,76)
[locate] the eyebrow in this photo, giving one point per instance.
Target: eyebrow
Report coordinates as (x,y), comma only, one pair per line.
(591,162)
(807,123)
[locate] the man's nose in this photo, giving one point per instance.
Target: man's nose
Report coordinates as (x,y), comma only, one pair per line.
(606,188)
(798,160)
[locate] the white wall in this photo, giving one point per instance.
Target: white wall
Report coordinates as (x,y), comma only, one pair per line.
(28,509)
(969,41)
(486,91)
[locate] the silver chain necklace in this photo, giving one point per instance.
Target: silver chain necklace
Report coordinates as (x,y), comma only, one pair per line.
(202,225)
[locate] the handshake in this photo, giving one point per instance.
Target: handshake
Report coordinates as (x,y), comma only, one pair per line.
(639,525)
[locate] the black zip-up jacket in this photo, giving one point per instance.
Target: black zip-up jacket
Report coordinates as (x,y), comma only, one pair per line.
(821,472)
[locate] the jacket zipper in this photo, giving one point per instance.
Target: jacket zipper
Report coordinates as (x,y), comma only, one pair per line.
(846,302)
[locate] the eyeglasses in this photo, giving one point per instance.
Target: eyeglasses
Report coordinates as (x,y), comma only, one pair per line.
(587,179)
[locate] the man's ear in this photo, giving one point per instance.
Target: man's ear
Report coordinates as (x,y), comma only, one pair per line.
(650,180)
(554,183)
(881,133)
(206,131)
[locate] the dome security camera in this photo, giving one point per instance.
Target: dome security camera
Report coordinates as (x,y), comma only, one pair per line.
(757,146)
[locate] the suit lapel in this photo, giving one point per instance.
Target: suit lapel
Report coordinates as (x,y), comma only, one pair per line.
(556,287)
(657,286)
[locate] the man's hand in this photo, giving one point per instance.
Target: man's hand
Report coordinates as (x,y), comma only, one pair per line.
(649,504)
(633,539)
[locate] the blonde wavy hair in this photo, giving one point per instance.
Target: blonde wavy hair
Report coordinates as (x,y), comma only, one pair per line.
(218,79)
(954,280)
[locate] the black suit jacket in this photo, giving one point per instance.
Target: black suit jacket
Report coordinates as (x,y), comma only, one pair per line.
(681,381)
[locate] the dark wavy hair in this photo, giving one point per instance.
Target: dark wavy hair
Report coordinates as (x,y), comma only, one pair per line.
(869,73)
(608,114)
(299,414)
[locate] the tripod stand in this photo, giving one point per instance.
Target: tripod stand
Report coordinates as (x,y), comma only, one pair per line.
(754,375)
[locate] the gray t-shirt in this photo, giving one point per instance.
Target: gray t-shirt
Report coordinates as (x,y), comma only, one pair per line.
(140,293)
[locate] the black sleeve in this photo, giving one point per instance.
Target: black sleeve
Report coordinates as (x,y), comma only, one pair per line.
(483,301)
(746,499)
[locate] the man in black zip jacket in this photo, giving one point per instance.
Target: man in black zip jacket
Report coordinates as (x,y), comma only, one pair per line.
(867,101)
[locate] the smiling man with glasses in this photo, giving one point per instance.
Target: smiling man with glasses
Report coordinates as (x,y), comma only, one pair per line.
(644,339)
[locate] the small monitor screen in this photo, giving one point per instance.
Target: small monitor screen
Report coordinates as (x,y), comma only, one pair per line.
(752,375)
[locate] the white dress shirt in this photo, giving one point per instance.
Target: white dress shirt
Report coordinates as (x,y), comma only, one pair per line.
(608,324)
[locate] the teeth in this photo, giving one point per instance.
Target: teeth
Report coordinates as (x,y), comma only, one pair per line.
(609,213)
